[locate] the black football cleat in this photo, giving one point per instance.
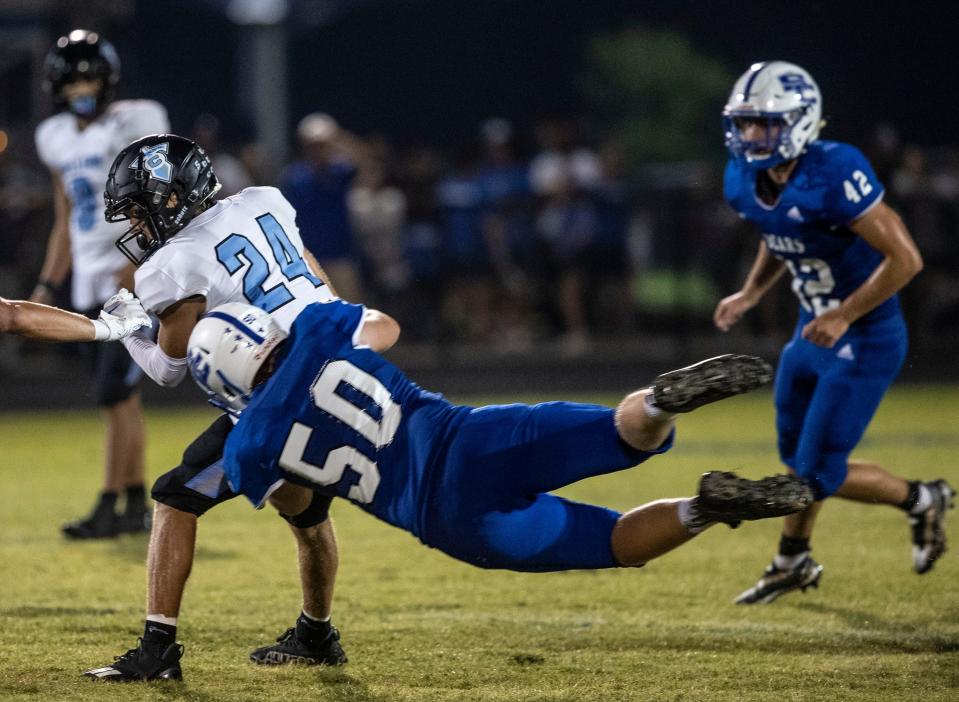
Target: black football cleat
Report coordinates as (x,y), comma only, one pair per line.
(685,389)
(291,649)
(928,536)
(101,524)
(135,521)
(142,663)
(776,582)
(727,498)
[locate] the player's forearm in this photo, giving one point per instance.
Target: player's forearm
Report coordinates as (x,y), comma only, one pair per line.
(56,262)
(44,323)
(161,368)
(890,277)
(766,270)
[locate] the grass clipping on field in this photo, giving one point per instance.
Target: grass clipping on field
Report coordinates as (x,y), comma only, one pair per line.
(418,625)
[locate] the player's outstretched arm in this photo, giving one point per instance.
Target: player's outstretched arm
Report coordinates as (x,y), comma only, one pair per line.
(380,331)
(765,272)
(44,323)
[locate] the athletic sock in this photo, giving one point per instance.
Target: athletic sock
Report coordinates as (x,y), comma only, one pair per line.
(793,550)
(312,631)
(919,498)
(654,412)
(135,499)
(106,504)
(157,635)
(689,516)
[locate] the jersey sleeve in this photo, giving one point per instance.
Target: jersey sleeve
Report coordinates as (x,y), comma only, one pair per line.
(853,185)
(160,284)
(336,322)
(43,139)
(732,184)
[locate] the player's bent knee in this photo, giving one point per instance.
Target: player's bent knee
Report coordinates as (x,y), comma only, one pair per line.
(825,474)
(316,511)
(289,498)
(636,427)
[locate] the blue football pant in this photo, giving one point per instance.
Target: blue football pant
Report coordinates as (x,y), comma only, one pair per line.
(491,506)
(825,398)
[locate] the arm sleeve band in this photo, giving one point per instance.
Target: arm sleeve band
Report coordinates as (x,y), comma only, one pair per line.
(155,363)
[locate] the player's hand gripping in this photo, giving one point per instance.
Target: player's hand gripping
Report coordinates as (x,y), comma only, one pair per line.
(731,309)
(121,315)
(826,329)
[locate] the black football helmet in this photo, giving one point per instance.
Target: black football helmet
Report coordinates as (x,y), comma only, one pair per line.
(161,182)
(82,55)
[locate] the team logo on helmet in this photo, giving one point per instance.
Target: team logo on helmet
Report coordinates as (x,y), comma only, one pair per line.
(797,83)
(155,161)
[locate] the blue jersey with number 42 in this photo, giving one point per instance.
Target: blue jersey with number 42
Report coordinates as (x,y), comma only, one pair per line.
(342,420)
(808,227)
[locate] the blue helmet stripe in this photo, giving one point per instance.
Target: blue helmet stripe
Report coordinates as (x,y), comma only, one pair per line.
(749,83)
(240,326)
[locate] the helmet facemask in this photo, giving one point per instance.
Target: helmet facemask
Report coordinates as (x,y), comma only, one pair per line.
(777,144)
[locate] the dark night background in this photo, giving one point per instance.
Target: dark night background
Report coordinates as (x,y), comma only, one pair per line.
(414,79)
(427,70)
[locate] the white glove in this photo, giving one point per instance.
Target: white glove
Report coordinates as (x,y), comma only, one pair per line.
(121,315)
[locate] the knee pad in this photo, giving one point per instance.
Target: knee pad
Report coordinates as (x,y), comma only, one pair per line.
(316,512)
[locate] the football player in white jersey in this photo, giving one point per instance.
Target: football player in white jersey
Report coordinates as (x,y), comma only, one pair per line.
(78,144)
(194,253)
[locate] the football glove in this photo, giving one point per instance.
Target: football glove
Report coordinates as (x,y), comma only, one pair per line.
(121,315)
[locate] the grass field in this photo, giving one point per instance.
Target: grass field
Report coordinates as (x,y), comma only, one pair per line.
(420,626)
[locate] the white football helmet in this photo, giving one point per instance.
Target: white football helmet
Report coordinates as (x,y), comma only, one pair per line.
(226,349)
(780,96)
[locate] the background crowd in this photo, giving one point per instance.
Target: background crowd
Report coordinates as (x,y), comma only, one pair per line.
(520,236)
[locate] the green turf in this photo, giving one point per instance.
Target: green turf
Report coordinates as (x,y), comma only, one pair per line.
(420,626)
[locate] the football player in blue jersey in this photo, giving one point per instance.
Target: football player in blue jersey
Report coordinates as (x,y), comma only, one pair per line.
(323,413)
(819,208)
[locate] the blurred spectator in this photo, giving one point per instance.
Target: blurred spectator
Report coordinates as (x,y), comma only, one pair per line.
(378,215)
(926,197)
(565,174)
(510,233)
(419,174)
(562,162)
(467,304)
(230,171)
(318,188)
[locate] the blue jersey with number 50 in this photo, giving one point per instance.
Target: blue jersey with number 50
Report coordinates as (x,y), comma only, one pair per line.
(344,421)
(808,227)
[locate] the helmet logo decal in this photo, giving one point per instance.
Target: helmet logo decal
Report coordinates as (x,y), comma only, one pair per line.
(155,161)
(796,82)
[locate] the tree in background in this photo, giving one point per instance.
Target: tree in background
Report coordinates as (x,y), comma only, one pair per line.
(657,92)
